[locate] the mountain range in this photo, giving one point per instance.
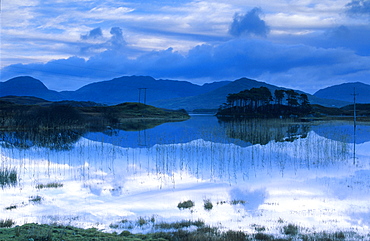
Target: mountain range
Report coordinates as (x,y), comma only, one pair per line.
(346,92)
(171,94)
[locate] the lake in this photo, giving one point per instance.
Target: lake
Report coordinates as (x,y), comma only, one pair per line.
(255,173)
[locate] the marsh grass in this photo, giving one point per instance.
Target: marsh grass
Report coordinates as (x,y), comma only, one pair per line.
(180,224)
(291,229)
(6,223)
(142,221)
(8,177)
(49,185)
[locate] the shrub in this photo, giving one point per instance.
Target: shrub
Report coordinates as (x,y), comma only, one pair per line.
(186,204)
(125,233)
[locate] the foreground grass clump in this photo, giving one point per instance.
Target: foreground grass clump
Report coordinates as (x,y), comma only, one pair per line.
(42,232)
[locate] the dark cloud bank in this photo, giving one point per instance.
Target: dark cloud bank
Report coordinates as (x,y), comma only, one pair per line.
(242,55)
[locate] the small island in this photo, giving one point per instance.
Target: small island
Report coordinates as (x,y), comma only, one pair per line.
(35,113)
(259,102)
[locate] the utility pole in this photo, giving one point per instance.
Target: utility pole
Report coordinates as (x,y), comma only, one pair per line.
(144,94)
(354,106)
(354,124)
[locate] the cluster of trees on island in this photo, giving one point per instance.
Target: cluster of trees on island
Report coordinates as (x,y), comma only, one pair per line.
(259,102)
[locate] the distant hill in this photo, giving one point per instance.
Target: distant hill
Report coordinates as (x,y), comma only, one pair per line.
(126,89)
(25,100)
(214,98)
(169,94)
(27,86)
(344,92)
(30,100)
(115,91)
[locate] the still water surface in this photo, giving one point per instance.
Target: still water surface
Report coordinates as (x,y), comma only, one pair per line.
(256,172)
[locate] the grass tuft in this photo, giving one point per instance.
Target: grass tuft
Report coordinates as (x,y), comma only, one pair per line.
(11,207)
(49,185)
(207,205)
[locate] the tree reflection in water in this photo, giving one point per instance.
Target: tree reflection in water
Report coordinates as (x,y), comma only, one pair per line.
(262,131)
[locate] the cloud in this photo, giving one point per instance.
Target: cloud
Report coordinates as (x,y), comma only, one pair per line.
(249,24)
(358,7)
(343,37)
(255,58)
(115,43)
(117,39)
(93,34)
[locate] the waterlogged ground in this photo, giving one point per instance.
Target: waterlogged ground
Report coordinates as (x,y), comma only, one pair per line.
(257,173)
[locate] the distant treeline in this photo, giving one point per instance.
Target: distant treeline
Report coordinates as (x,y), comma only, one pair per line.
(259,102)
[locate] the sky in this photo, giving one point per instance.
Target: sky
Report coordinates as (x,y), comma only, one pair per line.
(299,44)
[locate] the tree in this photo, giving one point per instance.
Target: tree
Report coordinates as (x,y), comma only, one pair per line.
(257,102)
(279,96)
(292,98)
